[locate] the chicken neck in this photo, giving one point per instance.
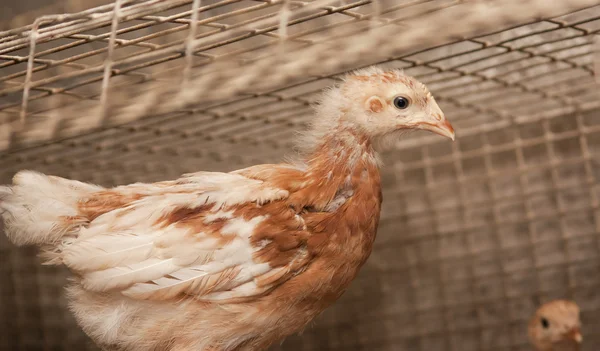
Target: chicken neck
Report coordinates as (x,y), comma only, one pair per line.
(343,165)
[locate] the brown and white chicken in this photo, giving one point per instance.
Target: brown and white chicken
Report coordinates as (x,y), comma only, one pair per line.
(226,261)
(555,326)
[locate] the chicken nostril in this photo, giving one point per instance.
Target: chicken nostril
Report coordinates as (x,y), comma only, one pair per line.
(438,116)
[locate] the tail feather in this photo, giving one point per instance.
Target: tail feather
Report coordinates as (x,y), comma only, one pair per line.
(5,192)
(40,209)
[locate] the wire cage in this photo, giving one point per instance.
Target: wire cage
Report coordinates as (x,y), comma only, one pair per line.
(474,234)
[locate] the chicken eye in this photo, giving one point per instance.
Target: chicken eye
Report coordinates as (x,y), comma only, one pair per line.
(545,323)
(401,102)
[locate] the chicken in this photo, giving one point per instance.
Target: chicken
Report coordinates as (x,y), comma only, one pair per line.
(555,326)
(226,261)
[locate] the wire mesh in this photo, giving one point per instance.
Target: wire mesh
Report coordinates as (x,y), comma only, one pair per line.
(474,234)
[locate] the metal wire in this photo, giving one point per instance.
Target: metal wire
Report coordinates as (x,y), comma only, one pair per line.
(473,235)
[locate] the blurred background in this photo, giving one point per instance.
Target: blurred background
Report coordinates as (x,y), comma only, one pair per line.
(474,234)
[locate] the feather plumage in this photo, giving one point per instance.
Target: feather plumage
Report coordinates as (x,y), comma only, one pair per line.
(225,261)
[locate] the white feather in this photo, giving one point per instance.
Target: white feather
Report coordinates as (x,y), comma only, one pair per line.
(35,205)
(132,249)
(121,277)
(107,251)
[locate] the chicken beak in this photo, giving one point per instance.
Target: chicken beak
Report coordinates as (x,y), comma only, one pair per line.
(575,335)
(441,127)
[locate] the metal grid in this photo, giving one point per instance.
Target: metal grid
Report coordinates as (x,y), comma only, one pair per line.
(474,234)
